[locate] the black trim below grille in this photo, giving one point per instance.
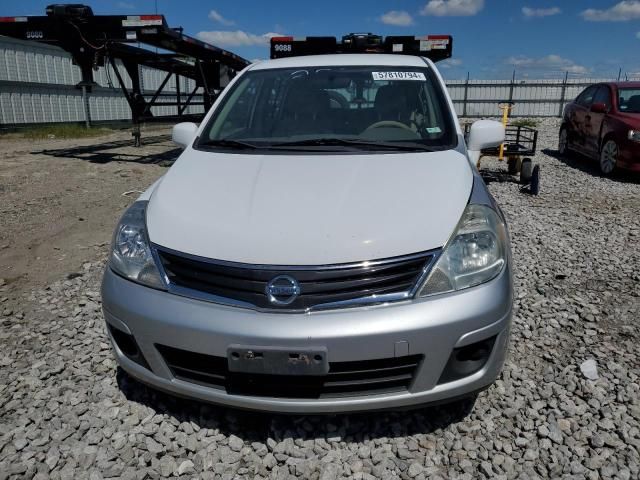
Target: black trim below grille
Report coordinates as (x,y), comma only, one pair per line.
(366,377)
(319,285)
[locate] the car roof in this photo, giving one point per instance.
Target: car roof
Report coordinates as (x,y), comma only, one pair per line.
(627,84)
(344,59)
(622,84)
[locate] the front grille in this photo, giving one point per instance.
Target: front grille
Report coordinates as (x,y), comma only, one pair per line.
(319,285)
(364,377)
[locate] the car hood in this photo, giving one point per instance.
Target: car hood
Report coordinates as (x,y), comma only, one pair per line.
(308,209)
(631,119)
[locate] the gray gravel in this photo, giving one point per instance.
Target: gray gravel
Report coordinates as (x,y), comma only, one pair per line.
(67,413)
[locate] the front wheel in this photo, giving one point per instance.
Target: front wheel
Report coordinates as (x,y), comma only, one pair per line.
(608,157)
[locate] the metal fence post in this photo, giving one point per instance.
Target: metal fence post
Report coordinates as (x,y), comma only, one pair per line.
(563,94)
(466,96)
(178,95)
(511,86)
(85,103)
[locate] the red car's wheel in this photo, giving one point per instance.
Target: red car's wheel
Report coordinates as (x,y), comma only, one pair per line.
(609,157)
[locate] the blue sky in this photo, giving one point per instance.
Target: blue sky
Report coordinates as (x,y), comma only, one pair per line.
(539,38)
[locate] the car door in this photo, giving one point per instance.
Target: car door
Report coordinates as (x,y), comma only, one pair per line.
(577,117)
(594,121)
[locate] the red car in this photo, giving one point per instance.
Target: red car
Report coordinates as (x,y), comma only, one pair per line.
(603,123)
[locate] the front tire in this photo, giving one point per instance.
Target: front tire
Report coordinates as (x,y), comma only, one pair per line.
(608,157)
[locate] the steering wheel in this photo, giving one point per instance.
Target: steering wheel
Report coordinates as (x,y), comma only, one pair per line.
(389,124)
(339,99)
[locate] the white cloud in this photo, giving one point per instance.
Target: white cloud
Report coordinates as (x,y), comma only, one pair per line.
(398,18)
(450,62)
(547,64)
(216,17)
(620,12)
(236,38)
(540,12)
(452,8)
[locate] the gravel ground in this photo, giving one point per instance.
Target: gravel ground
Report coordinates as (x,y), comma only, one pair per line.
(59,198)
(66,412)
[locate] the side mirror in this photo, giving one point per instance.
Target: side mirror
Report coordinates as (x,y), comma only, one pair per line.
(184,133)
(599,107)
(485,134)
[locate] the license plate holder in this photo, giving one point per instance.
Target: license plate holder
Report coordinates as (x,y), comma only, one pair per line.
(277,360)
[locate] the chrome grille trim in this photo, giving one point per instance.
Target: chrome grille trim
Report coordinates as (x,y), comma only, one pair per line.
(376,299)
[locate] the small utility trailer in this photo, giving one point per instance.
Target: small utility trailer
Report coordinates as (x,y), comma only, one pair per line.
(519,145)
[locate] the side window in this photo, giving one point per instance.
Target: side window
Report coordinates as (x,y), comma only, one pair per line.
(603,95)
(586,98)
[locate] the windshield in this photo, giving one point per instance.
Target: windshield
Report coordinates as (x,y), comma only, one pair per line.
(336,108)
(629,100)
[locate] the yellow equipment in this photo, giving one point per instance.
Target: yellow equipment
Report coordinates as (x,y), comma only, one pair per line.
(506,108)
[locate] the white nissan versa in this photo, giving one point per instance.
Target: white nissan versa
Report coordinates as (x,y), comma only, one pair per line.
(324,243)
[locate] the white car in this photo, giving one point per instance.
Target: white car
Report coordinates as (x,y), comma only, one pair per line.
(324,243)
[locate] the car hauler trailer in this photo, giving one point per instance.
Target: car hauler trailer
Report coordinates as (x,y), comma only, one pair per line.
(98,40)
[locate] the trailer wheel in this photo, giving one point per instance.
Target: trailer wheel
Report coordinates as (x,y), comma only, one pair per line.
(563,142)
(535,180)
(526,170)
(512,165)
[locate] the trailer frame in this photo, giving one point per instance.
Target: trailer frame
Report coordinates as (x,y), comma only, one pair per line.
(99,40)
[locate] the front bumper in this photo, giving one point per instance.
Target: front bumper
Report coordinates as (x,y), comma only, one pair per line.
(629,157)
(431,327)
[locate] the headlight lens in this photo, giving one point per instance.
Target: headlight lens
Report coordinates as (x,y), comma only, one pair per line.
(130,252)
(634,135)
(475,254)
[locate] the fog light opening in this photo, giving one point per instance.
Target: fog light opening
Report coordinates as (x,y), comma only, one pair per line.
(127,345)
(467,360)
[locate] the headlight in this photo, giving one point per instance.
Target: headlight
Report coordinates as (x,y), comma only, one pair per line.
(475,254)
(130,253)
(634,135)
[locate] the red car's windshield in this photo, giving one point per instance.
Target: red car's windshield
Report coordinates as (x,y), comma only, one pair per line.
(629,100)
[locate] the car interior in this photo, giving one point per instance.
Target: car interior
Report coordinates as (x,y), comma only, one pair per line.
(308,104)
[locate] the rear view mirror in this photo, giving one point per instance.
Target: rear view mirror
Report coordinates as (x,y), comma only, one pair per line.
(184,133)
(485,134)
(599,107)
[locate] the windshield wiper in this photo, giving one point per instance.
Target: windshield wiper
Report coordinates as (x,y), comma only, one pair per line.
(228,143)
(353,142)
